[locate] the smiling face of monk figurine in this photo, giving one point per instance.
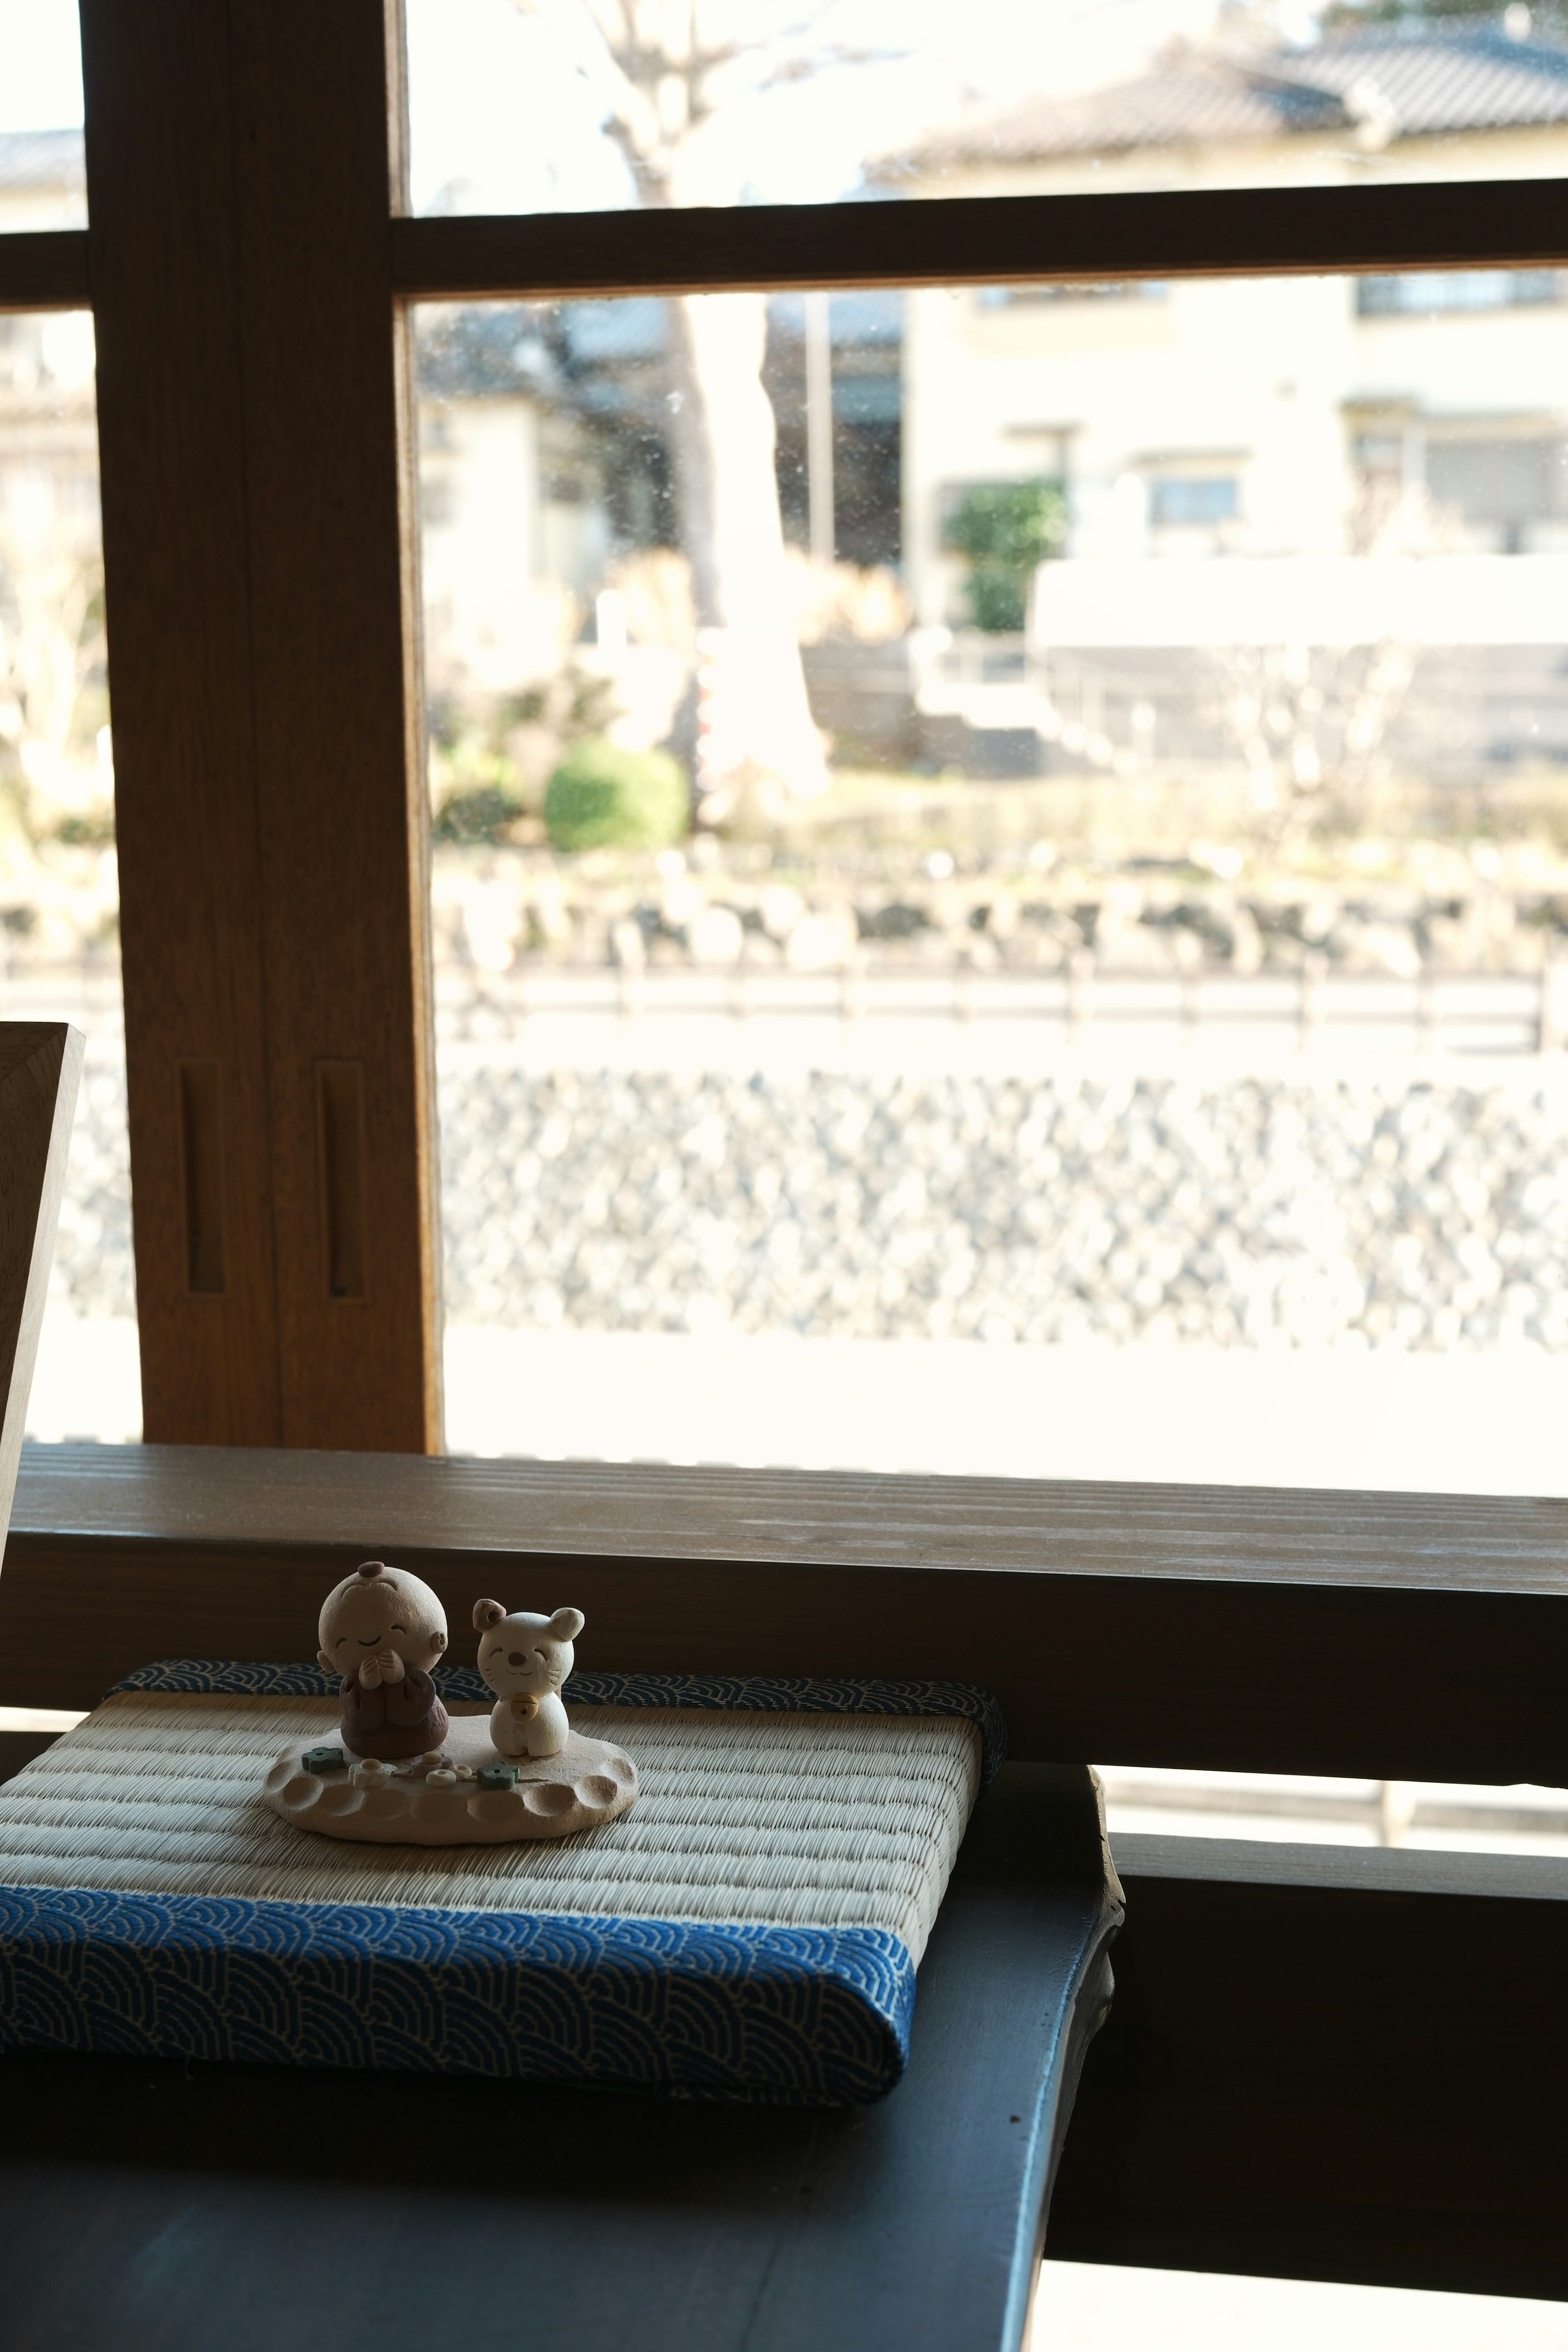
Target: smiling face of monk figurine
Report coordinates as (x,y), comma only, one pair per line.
(382,1631)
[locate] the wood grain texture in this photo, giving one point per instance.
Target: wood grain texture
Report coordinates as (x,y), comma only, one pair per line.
(1400,1637)
(160,170)
(274,913)
(662,2224)
(45,269)
(40,1072)
(991,240)
(342,802)
(1322,2081)
(1288,1538)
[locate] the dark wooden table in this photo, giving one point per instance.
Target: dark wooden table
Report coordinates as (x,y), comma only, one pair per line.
(266,2209)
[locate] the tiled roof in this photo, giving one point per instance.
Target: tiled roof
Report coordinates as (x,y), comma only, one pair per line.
(41,159)
(1400,84)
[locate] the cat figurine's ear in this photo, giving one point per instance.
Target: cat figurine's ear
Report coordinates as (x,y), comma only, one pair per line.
(565,1625)
(485,1614)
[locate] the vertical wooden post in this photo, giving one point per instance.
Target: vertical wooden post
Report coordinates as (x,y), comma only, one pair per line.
(160,169)
(343,807)
(261,588)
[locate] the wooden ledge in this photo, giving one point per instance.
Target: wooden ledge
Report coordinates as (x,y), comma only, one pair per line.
(1342,1869)
(286,1502)
(1399,1637)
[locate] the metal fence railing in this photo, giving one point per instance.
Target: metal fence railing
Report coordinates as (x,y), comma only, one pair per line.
(1430,1012)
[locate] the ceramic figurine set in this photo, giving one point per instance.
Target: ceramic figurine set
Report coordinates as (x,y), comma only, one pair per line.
(407,1772)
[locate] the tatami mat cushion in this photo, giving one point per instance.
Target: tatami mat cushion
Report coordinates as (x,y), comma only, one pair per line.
(749,1928)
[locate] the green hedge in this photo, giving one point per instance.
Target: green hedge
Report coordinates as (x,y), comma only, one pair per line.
(603,797)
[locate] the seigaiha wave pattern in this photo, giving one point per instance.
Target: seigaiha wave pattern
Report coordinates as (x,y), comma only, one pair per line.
(750,1931)
(738,1694)
(740,2014)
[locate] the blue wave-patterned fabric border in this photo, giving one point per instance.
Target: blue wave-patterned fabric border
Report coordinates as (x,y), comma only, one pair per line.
(809,2017)
(759,1694)
(803,2017)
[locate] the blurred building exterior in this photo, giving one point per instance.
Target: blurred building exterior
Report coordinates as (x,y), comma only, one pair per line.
(1415,419)
(1305,415)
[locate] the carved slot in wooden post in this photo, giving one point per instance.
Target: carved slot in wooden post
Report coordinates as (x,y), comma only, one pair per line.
(201,1176)
(340,1132)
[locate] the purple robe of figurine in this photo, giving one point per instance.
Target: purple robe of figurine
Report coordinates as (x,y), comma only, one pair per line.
(395,1719)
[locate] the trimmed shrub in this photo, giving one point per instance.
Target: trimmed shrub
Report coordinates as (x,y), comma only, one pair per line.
(1005,530)
(486,814)
(603,797)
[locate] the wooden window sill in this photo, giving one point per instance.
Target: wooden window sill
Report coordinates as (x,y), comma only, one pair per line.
(1397,1636)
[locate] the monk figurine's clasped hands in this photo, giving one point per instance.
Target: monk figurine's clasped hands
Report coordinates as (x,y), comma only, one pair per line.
(382,1631)
(386,1666)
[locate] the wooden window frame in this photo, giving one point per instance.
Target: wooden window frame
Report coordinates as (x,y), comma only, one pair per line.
(251,264)
(247,183)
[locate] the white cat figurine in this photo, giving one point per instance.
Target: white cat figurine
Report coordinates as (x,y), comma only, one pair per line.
(525,1660)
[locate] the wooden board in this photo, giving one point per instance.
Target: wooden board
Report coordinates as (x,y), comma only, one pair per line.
(258,2208)
(269,764)
(342,796)
(40,1071)
(953,240)
(1398,1637)
(44,269)
(945,240)
(169,421)
(1330,2064)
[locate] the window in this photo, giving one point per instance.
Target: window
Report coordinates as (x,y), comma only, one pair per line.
(1176,500)
(517,111)
(1457,290)
(1005,298)
(59,896)
(882,1027)
(42,180)
(994,654)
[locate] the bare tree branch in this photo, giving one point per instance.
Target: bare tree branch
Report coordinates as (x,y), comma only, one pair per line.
(585,41)
(633,66)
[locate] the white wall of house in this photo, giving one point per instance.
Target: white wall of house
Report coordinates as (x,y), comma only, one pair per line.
(1278,386)
(1331,159)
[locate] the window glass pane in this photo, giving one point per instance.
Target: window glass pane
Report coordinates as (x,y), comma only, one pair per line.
(43,183)
(58,897)
(594,105)
(1002,879)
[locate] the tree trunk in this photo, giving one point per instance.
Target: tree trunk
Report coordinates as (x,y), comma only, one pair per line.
(757,745)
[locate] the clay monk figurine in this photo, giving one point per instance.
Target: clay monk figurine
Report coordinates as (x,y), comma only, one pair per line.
(382,1630)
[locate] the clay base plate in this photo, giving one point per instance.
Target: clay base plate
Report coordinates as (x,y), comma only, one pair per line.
(588,1783)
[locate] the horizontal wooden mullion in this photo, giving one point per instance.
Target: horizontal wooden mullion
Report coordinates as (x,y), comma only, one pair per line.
(992,240)
(45,269)
(946,241)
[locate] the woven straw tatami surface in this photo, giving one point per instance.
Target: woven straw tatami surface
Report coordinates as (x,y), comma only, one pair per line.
(802,1820)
